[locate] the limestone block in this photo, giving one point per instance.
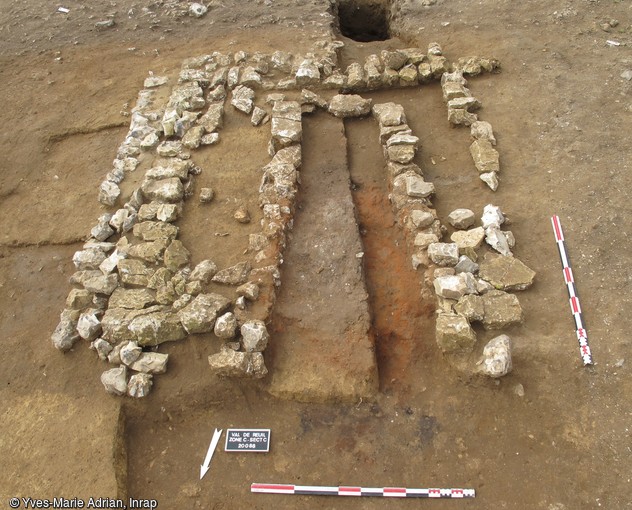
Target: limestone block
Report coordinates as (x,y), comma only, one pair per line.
(485,156)
(349,105)
(454,333)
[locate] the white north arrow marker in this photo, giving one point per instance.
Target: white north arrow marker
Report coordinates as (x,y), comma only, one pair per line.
(209,454)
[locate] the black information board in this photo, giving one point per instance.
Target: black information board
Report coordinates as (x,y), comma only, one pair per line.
(247,440)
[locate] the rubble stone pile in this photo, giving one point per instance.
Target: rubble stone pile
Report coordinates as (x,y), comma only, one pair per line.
(135,285)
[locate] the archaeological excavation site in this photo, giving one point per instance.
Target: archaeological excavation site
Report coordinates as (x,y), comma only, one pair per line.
(269,254)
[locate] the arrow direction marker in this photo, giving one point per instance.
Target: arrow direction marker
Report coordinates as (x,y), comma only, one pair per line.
(209,454)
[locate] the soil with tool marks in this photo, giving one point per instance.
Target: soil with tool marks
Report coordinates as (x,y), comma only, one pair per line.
(552,435)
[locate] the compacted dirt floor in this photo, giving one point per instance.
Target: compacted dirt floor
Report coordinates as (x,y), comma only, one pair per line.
(552,435)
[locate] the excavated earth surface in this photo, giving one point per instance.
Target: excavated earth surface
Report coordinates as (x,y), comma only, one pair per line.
(349,317)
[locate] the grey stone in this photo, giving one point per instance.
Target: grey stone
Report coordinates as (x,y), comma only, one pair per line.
(115,380)
(168,212)
(259,116)
(206,195)
(468,239)
(213,119)
(501,309)
(355,76)
(102,230)
(394,59)
(65,334)
(154,230)
(232,78)
(204,271)
(471,306)
(466,265)
(88,259)
(243,99)
(230,363)
(496,360)
(160,277)
(148,211)
(170,149)
(102,348)
(234,275)
(240,302)
(349,105)
(193,137)
(453,286)
(129,353)
(402,138)
(495,238)
(151,252)
(194,287)
(389,114)
(164,190)
(417,187)
(373,76)
(89,325)
(464,103)
(101,284)
(225,326)
(482,130)
(452,90)
(199,316)
(506,273)
(444,254)
(250,77)
(176,256)
(422,219)
(134,272)
(460,116)
(461,218)
(109,193)
(155,81)
(282,61)
(139,385)
(150,362)
(183,301)
(254,336)
(156,327)
(111,263)
(485,156)
(309,97)
(307,74)
(454,333)
(118,219)
(286,124)
(210,139)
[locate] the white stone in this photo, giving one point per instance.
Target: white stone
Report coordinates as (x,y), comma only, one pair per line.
(496,361)
(225,326)
(139,385)
(130,353)
(254,336)
(109,193)
(89,325)
(497,240)
(492,216)
(115,380)
(444,254)
(491,179)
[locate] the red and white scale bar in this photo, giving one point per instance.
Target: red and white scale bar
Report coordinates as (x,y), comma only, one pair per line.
(386,492)
(576,310)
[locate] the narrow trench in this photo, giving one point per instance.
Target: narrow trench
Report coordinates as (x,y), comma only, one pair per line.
(401,321)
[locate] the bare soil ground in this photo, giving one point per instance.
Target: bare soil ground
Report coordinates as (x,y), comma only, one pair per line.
(562,114)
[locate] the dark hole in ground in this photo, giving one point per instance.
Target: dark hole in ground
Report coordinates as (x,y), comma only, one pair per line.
(364,20)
